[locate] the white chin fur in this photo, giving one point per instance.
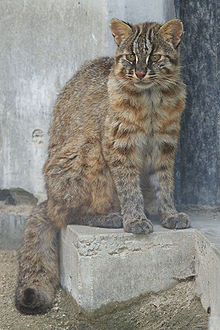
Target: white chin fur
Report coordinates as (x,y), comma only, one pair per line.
(143,85)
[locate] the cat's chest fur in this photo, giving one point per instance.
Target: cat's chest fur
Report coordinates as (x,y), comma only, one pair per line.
(149,117)
(150,114)
(140,114)
(135,124)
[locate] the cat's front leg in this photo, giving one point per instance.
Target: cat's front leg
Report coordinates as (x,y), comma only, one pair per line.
(131,200)
(162,180)
(121,162)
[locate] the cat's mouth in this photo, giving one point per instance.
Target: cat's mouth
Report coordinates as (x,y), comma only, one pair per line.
(143,84)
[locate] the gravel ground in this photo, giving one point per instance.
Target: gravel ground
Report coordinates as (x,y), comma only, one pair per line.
(177,308)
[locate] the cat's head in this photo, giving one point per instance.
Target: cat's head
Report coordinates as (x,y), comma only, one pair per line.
(146,55)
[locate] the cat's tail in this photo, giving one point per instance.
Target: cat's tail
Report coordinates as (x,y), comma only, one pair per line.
(38,276)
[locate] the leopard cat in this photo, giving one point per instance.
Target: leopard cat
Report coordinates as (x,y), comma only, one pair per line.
(114,131)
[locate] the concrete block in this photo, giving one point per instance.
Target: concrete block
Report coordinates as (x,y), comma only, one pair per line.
(99,266)
(207,268)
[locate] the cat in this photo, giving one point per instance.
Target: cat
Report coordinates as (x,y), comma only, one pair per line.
(114,131)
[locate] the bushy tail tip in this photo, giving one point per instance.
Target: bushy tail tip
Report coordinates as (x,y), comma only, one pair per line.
(32,300)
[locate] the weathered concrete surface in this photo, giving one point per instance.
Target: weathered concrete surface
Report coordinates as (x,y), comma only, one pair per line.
(214,323)
(198,166)
(207,269)
(208,223)
(99,266)
(42,44)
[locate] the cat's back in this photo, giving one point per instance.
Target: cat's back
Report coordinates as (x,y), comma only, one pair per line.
(83,102)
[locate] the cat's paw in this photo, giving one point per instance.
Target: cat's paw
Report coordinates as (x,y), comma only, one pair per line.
(176,221)
(137,225)
(113,220)
(32,300)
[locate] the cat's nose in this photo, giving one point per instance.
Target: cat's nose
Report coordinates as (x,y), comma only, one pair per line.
(140,74)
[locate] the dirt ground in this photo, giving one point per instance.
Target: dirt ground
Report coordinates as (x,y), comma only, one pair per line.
(177,308)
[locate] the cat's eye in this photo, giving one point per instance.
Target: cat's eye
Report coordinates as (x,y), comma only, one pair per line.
(131,57)
(155,57)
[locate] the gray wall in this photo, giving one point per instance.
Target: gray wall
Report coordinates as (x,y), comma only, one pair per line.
(198,161)
(42,44)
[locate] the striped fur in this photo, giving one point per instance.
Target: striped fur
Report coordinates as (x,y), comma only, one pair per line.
(114,133)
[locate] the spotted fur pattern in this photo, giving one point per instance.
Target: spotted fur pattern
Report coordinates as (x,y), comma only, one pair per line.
(114,131)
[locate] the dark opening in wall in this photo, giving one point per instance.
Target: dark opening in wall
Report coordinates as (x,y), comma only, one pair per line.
(17,196)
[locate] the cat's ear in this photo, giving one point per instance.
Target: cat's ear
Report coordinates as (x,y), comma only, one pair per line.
(172,31)
(120,30)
